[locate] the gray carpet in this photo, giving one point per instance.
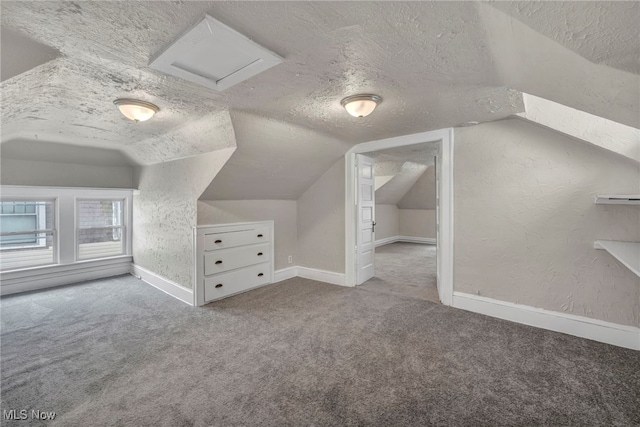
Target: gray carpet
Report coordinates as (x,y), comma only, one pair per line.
(405,269)
(119,352)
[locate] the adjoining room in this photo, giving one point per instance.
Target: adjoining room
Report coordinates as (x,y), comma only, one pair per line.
(405,220)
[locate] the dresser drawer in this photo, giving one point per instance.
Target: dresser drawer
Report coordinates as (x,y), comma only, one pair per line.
(229,259)
(232,239)
(225,284)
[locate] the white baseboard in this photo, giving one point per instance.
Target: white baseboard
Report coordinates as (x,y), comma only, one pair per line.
(165,285)
(386,241)
(322,275)
(284,274)
(408,239)
(31,279)
(584,327)
(423,240)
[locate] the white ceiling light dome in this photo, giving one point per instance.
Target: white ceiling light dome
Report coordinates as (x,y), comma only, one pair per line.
(361,105)
(136,110)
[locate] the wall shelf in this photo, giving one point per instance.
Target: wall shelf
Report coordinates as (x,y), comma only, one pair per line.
(628,253)
(618,199)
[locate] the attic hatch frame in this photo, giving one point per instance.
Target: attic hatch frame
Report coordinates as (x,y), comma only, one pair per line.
(444,243)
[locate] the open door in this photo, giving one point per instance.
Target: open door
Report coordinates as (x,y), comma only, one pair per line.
(365,222)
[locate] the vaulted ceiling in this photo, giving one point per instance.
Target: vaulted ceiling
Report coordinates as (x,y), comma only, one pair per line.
(435,64)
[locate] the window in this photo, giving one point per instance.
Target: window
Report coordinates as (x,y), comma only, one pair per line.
(27,233)
(49,229)
(100,228)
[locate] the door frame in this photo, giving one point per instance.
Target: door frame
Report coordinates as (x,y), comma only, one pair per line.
(445,229)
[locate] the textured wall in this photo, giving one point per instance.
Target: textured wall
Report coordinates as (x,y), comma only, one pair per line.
(417,222)
(321,222)
(422,195)
(283,212)
(39,173)
(525,221)
(386,221)
(165,212)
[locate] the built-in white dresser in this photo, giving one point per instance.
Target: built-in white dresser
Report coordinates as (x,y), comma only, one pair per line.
(232,258)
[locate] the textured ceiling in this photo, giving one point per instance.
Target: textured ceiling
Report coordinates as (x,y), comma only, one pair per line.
(416,153)
(606,33)
(436,64)
(70,101)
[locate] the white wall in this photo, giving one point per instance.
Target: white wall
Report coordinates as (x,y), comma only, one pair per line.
(321,222)
(525,221)
(386,221)
(422,194)
(283,212)
(54,174)
(417,222)
(165,212)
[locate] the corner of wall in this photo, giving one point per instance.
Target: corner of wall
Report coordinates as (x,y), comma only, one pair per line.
(321,225)
(165,212)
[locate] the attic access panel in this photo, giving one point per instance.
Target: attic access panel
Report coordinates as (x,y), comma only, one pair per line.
(215,56)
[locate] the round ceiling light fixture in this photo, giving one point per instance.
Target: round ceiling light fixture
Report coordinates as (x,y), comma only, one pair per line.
(361,105)
(136,110)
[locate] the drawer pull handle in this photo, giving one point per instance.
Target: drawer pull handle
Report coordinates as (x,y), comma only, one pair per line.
(219,285)
(260,274)
(259,235)
(259,253)
(218,241)
(218,262)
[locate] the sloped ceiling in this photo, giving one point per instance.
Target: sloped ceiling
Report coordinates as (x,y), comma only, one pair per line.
(385,171)
(436,64)
(422,194)
(274,160)
(24,52)
(612,136)
(602,32)
(408,166)
(63,153)
(396,188)
(541,64)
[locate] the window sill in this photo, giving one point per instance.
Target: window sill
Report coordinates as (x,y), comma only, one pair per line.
(43,270)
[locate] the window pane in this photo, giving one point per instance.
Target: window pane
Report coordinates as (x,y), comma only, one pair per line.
(13,223)
(19,217)
(99,242)
(99,213)
(26,250)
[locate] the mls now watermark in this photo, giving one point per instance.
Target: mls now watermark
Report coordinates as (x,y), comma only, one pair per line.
(24,414)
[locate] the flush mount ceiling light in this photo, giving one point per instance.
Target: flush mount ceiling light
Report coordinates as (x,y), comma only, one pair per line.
(136,110)
(361,105)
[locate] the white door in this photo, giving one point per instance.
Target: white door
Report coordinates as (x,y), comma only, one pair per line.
(365,239)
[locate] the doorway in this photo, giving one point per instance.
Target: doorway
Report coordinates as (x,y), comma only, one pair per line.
(441,145)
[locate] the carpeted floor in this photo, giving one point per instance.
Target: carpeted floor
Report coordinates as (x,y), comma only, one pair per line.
(300,352)
(405,269)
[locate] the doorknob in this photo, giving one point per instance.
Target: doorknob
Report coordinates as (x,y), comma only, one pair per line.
(373,227)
